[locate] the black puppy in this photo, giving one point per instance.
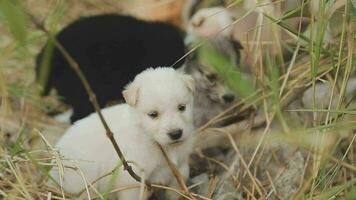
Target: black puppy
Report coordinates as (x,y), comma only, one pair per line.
(110,50)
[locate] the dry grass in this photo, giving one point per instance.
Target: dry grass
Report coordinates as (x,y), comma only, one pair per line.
(273,153)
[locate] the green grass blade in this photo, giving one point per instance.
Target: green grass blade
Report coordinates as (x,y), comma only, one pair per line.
(351,112)
(45,67)
(239,82)
(112,180)
(58,14)
(335,190)
(287,28)
(351,195)
(13,14)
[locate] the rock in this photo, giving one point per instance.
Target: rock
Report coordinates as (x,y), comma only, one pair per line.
(226,191)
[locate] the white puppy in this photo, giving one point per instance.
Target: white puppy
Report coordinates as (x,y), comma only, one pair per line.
(159,109)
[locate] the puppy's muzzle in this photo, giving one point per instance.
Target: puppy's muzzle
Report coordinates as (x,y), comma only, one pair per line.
(176,134)
(228,98)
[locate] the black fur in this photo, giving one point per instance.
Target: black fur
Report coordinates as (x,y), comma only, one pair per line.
(110,50)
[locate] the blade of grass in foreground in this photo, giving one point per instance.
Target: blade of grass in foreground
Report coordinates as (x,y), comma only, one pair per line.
(45,67)
(272,81)
(16,20)
(335,190)
(351,195)
(351,112)
(111,183)
(238,82)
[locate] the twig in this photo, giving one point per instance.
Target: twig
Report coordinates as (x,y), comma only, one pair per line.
(273,187)
(175,172)
(220,163)
(74,65)
(128,187)
(251,176)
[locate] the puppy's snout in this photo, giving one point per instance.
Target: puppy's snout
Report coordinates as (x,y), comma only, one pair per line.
(228,98)
(176,134)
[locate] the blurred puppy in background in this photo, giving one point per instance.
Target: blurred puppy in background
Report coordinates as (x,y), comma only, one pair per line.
(109,58)
(110,50)
(210,26)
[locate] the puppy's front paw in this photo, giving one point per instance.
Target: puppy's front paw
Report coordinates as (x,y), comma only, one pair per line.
(170,195)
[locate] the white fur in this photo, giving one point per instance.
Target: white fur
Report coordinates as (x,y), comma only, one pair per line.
(64,117)
(209,22)
(86,146)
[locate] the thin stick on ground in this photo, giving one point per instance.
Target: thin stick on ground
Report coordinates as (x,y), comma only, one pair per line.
(175,172)
(92,97)
(252,177)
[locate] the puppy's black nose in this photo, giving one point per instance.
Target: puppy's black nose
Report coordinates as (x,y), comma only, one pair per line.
(176,134)
(228,98)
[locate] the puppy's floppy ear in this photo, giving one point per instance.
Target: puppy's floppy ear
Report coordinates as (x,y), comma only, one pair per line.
(130,94)
(189,82)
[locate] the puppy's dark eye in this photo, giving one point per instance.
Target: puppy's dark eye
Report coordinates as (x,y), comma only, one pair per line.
(153,114)
(212,77)
(181,107)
